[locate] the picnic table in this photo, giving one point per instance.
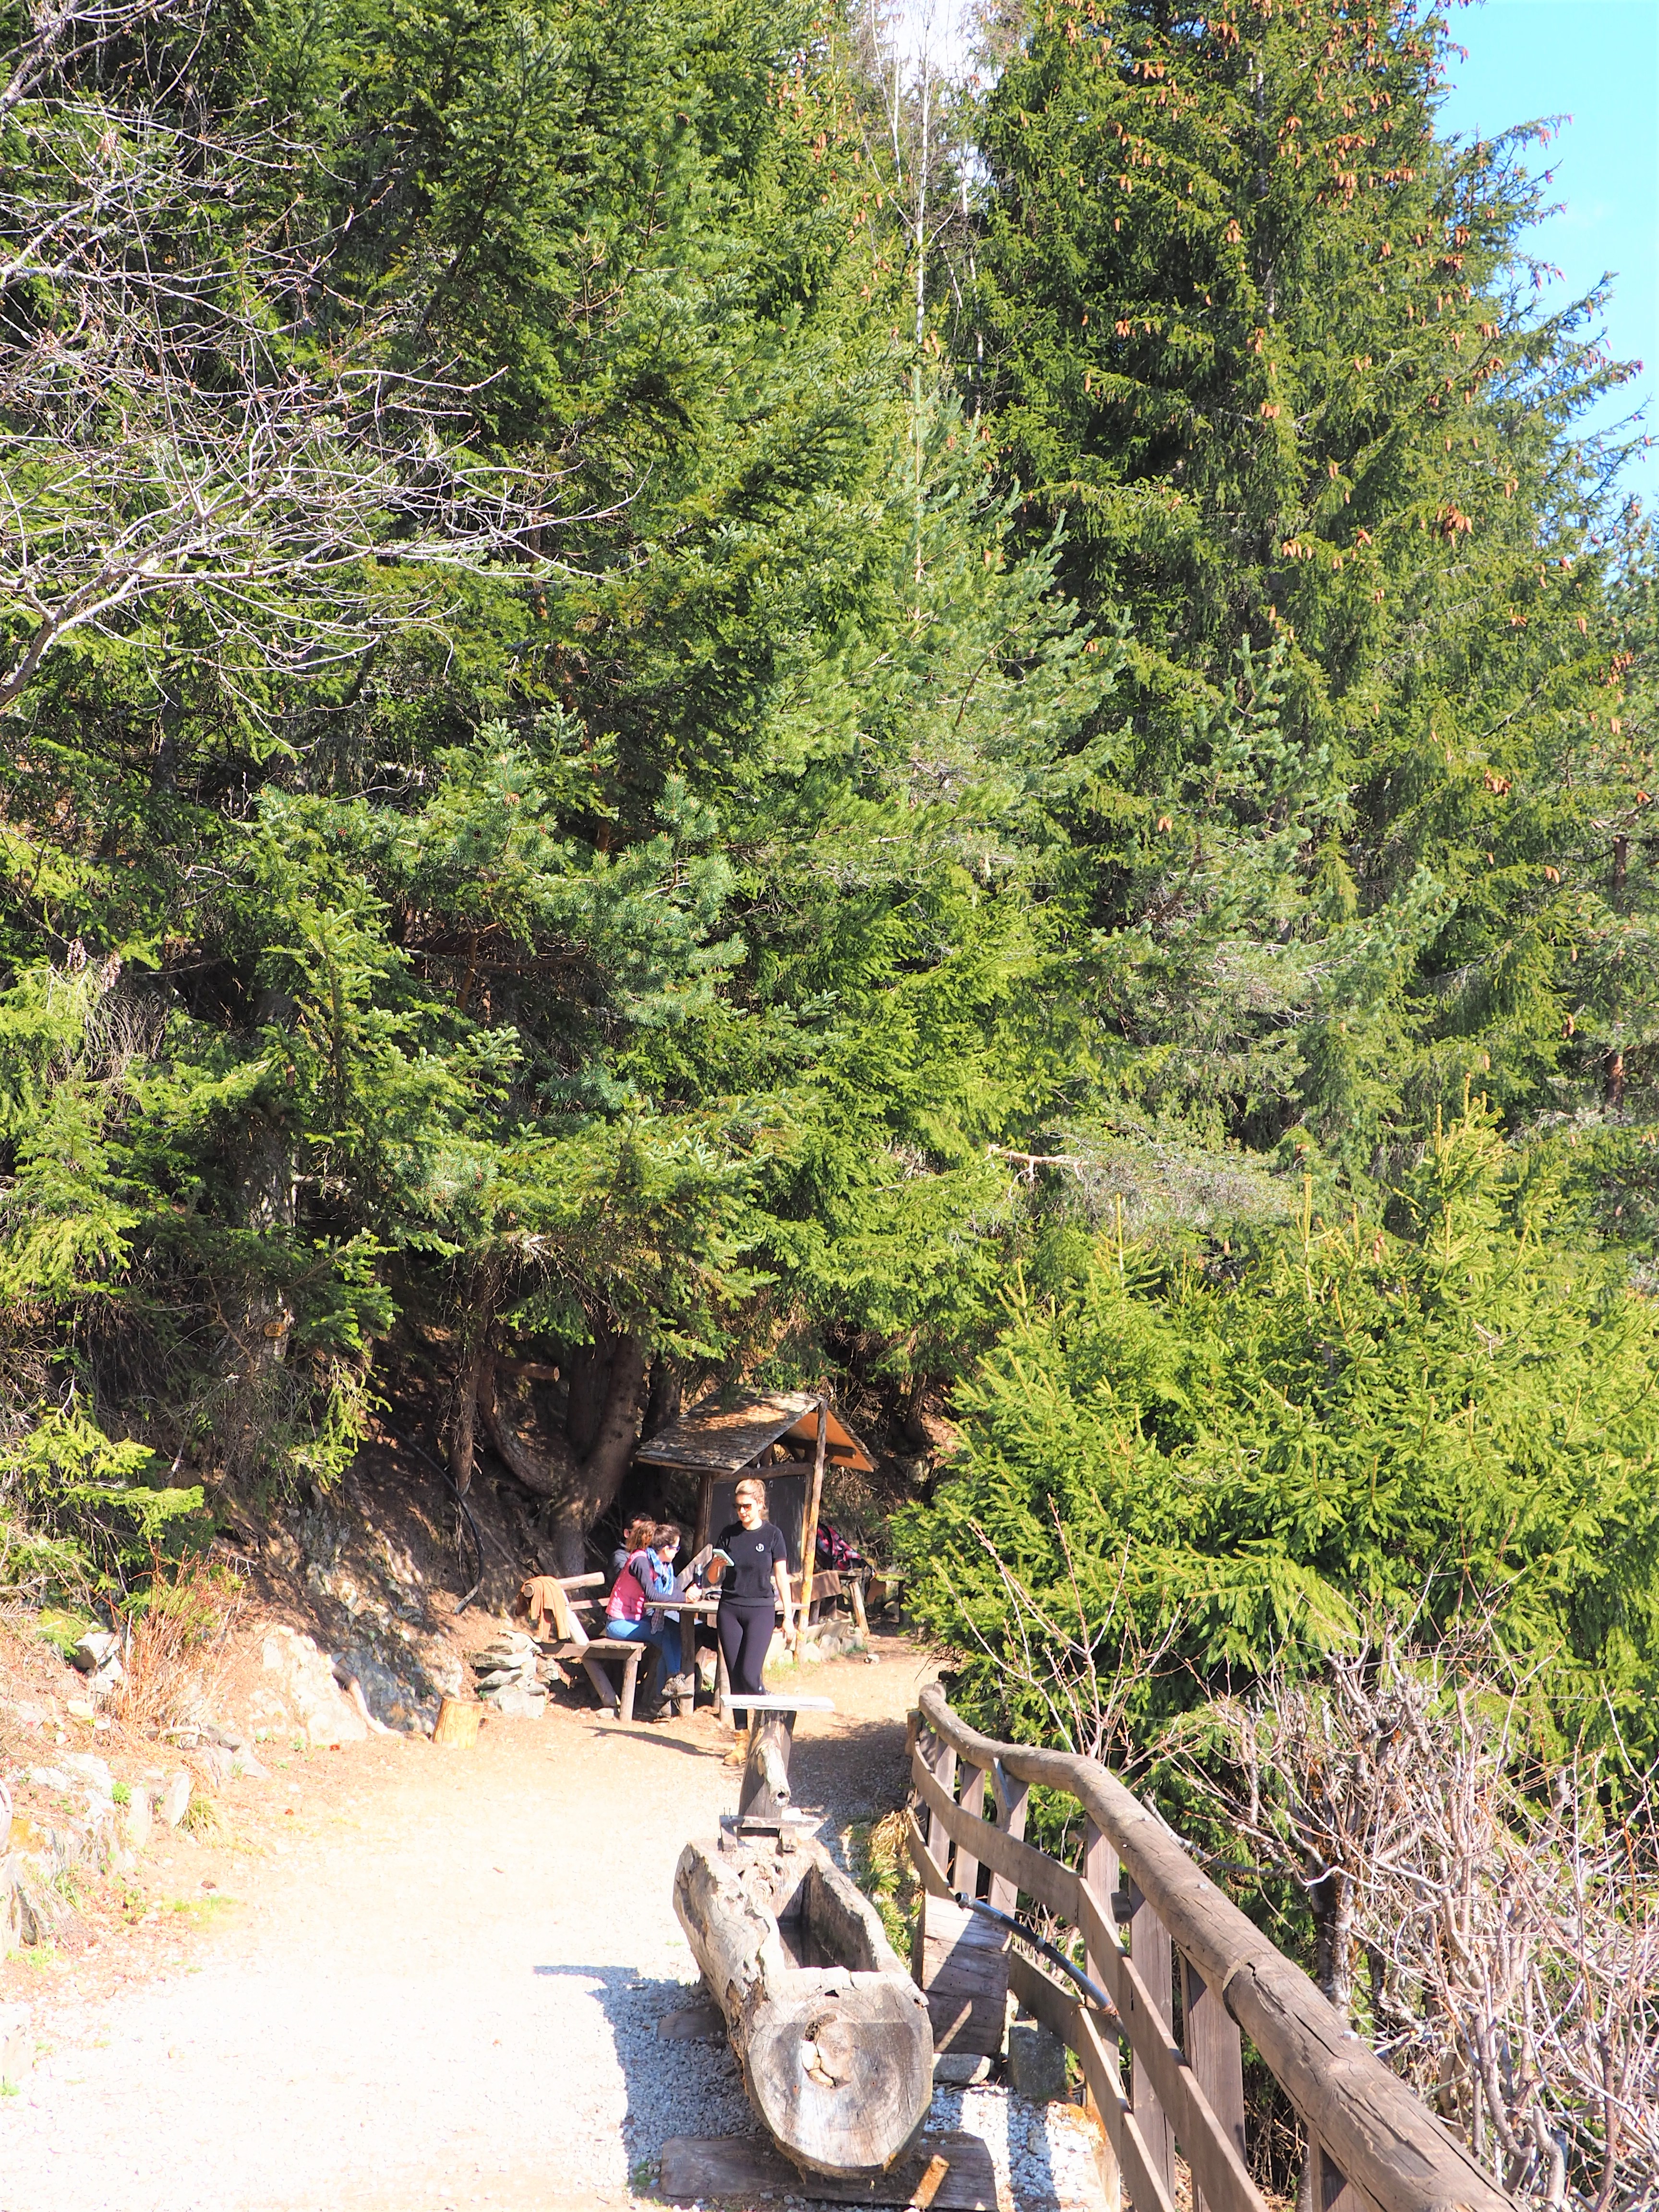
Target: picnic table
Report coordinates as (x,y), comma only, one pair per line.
(583,1594)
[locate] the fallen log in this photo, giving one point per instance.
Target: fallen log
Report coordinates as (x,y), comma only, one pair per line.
(832,2034)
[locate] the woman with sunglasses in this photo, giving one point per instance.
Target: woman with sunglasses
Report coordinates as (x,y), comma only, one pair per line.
(756,1583)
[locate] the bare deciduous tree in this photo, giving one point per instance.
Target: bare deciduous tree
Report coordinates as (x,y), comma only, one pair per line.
(1483,1917)
(1079,1665)
(185,411)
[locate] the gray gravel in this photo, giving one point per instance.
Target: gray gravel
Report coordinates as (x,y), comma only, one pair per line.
(445,1994)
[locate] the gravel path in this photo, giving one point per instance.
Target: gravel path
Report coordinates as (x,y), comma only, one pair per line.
(444,1991)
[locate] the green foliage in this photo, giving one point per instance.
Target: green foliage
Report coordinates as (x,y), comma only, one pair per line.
(1238,1456)
(1265,342)
(1188,731)
(80,1511)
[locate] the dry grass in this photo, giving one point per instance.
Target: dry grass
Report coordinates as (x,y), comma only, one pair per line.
(180,1647)
(879,1859)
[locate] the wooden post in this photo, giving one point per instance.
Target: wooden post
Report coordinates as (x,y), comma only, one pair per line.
(1215,2053)
(809,1534)
(1154,1957)
(705,1508)
(764,1793)
(1011,1797)
(1100,1877)
(1329,2191)
(855,1592)
(974,1780)
(943,1764)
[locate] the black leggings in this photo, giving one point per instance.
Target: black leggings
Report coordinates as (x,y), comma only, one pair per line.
(746,1634)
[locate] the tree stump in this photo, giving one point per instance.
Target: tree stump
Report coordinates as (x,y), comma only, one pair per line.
(457,1725)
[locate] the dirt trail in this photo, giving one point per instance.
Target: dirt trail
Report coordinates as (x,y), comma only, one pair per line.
(434,1983)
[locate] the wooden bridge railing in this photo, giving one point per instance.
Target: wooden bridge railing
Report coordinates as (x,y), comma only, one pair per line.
(1146,1913)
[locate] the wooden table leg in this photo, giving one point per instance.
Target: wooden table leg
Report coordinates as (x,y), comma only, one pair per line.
(630,1676)
(594,1669)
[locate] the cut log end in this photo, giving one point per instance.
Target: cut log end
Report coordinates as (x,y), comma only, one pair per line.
(843,2077)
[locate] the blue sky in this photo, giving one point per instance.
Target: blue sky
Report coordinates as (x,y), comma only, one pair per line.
(1598,62)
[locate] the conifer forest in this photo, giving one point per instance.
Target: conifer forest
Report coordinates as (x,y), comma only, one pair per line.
(684,703)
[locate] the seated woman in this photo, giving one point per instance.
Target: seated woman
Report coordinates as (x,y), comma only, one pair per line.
(636,1537)
(649,1572)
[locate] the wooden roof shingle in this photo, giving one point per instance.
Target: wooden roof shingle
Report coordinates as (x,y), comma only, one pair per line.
(720,1440)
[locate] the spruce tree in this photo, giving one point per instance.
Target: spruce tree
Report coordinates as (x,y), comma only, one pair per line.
(1267,342)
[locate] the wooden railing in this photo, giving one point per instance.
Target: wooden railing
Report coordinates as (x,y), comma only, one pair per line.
(1146,1914)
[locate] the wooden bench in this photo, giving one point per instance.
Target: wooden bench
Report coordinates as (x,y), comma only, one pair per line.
(595,1654)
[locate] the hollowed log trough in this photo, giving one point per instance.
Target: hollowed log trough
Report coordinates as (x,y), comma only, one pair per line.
(833,2036)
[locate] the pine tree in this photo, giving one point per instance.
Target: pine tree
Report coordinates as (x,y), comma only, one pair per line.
(1265,341)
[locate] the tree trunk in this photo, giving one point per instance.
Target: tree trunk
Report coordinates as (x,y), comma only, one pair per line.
(606,1462)
(553,1480)
(837,2056)
(1331,1899)
(590,1385)
(580,1487)
(463,1423)
(663,1404)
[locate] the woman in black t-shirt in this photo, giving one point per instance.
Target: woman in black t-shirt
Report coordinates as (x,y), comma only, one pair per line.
(757,1580)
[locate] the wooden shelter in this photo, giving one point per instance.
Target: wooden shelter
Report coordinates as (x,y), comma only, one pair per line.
(787,1437)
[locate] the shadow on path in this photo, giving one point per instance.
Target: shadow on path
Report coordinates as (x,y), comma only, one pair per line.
(673,2088)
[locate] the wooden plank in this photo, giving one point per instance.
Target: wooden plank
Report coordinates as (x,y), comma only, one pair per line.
(1099,1878)
(1140,2171)
(972,1801)
(1032,1871)
(1215,2053)
(1013,1798)
(937,1782)
(696,2169)
(1216,2162)
(932,1874)
(1329,2189)
(1044,1998)
(960,1962)
(809,1534)
(1215,2156)
(1378,2133)
(775,1701)
(1154,1960)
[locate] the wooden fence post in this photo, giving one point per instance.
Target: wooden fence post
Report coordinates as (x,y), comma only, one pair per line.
(973,1779)
(1100,1877)
(943,1764)
(1154,1957)
(1216,2054)
(1011,1797)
